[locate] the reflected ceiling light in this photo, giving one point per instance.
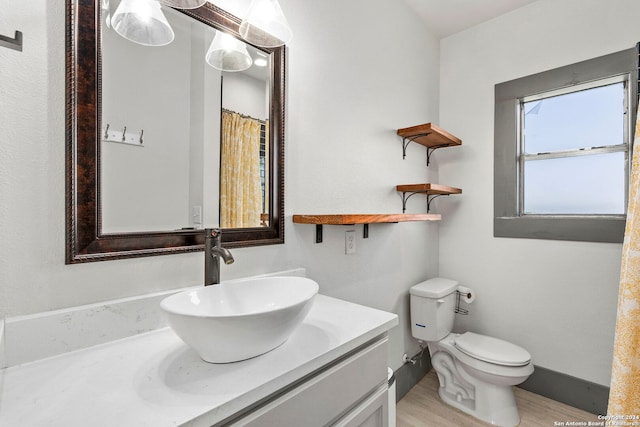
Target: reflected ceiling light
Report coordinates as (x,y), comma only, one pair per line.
(265,25)
(183,4)
(143,22)
(227,53)
(261,60)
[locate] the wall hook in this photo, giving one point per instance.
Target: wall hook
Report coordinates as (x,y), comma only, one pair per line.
(14,43)
(122,137)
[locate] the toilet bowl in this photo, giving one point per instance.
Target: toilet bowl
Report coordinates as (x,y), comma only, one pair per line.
(476,372)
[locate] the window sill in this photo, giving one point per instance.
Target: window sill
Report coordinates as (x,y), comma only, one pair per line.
(602,229)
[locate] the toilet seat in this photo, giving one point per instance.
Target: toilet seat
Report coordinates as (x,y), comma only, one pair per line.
(492,350)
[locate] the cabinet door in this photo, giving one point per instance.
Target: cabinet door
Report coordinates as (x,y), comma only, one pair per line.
(373,412)
(323,398)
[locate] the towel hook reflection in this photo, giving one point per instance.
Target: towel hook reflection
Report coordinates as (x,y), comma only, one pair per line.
(122,137)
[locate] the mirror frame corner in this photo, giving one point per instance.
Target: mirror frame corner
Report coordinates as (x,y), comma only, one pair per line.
(85,241)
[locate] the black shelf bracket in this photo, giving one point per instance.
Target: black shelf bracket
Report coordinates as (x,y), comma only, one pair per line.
(430,198)
(405,198)
(430,151)
(365,231)
(408,140)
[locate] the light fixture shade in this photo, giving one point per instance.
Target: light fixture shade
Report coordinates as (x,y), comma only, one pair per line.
(106,13)
(183,4)
(265,25)
(143,22)
(226,53)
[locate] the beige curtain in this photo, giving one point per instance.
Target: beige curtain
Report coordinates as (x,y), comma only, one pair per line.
(240,192)
(624,395)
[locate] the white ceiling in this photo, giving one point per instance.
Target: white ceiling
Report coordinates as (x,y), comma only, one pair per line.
(446,17)
(442,17)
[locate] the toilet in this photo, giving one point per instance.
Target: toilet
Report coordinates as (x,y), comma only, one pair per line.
(476,372)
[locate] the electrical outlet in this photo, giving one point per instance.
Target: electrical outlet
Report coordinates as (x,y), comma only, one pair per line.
(350,242)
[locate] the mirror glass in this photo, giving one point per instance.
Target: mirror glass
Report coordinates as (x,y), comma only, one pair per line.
(161,144)
(165,111)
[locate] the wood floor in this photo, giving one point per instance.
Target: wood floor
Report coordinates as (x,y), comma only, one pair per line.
(422,407)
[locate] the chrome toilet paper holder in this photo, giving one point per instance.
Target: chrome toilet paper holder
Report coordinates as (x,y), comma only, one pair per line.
(459,296)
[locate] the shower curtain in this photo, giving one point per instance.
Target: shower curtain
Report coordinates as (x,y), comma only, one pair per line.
(240,188)
(624,395)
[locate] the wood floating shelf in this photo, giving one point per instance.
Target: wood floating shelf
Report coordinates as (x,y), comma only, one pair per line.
(429,135)
(366,219)
(349,219)
(430,190)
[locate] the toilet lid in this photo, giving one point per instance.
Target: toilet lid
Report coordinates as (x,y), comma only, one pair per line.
(492,350)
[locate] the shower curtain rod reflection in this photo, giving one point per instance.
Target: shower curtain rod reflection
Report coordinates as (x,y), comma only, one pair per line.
(244,116)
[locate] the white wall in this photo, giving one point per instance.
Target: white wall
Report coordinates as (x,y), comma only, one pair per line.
(557,299)
(350,84)
(245,95)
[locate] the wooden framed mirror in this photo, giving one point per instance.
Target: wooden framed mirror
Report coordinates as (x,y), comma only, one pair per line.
(87,133)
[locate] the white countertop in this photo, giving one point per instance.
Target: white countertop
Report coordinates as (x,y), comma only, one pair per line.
(154,379)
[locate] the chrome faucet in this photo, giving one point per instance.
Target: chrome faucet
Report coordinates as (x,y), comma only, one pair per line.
(213,250)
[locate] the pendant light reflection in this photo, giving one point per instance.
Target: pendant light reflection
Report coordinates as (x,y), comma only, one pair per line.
(183,4)
(265,24)
(227,53)
(261,60)
(106,13)
(143,22)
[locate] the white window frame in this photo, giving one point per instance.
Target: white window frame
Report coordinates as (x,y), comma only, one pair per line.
(509,219)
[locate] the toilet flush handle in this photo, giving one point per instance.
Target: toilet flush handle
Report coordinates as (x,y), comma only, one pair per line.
(440,301)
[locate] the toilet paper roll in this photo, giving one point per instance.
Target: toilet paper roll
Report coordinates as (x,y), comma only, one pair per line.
(468,295)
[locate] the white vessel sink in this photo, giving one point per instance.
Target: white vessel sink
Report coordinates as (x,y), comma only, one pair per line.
(241,319)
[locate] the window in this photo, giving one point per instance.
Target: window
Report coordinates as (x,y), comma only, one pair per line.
(562,151)
(573,146)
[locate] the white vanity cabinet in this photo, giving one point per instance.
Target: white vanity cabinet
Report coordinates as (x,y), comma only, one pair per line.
(350,392)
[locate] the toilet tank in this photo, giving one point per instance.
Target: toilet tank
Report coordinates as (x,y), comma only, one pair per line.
(433,308)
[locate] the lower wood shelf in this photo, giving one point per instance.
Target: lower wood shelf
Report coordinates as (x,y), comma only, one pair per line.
(430,190)
(348,219)
(366,219)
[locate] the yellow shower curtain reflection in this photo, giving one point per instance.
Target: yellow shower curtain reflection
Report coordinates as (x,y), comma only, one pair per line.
(240,190)
(624,395)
